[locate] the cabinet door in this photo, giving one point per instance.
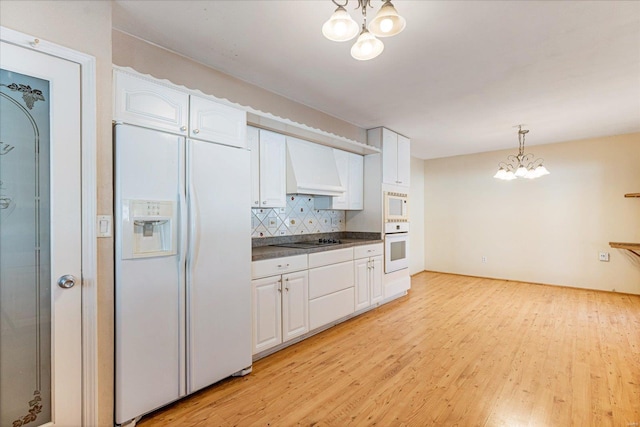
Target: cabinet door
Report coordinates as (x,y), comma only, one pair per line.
(215,122)
(267,308)
(356,182)
(389,157)
(362,272)
(253,143)
(273,183)
(342,163)
(142,102)
(404,161)
(375,279)
(295,305)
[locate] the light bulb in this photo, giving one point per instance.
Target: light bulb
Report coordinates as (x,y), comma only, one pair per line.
(387,22)
(386,25)
(340,27)
(367,46)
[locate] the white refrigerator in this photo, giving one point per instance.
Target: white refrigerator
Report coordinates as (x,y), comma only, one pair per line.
(182,267)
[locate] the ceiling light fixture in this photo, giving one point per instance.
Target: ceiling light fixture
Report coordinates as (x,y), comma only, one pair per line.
(341,27)
(522,165)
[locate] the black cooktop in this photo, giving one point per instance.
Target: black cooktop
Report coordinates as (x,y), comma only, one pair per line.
(310,244)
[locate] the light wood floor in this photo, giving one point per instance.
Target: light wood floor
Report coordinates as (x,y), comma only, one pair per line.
(458,351)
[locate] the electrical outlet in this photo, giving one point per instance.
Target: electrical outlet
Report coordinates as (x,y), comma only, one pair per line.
(604,256)
(484,259)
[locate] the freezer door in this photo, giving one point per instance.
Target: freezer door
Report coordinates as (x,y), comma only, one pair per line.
(149,291)
(219,263)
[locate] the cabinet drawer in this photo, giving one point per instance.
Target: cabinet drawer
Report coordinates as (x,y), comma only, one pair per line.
(365,251)
(274,266)
(331,307)
(335,256)
(331,278)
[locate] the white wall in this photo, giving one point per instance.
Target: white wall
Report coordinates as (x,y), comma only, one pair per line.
(416,215)
(548,230)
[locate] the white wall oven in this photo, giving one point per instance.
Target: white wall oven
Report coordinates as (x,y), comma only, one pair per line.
(396,251)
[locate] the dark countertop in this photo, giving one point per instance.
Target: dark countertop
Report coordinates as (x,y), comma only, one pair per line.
(268,252)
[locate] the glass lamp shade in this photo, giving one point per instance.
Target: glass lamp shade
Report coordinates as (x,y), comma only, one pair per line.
(541,170)
(366,47)
(340,27)
(509,176)
(521,172)
(387,22)
(501,174)
(531,174)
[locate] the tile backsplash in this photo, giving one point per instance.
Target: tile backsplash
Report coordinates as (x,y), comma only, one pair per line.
(299,217)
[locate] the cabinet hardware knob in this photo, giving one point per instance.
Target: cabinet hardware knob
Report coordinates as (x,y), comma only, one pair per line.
(287,288)
(256,202)
(196,131)
(183,128)
(264,203)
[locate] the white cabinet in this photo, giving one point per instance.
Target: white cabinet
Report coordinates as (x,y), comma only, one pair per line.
(368,276)
(280,302)
(144,102)
(215,122)
(351,172)
(331,286)
(396,156)
(268,168)
(149,104)
(356,182)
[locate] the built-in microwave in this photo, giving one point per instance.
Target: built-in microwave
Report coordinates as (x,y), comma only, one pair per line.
(396,207)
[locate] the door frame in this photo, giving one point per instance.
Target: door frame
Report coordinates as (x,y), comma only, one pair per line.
(89,280)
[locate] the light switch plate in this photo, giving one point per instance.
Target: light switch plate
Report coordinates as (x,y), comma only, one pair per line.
(104,225)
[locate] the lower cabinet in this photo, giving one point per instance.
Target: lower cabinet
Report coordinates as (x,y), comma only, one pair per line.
(331,286)
(368,271)
(329,308)
(280,309)
(368,275)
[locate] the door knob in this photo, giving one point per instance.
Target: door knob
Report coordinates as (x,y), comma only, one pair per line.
(67,281)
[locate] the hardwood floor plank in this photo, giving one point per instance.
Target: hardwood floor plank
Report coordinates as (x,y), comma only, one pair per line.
(457,350)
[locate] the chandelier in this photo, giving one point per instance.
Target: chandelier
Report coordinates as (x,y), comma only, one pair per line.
(521,165)
(341,27)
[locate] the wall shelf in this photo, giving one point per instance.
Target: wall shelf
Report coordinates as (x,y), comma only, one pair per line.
(632,195)
(631,247)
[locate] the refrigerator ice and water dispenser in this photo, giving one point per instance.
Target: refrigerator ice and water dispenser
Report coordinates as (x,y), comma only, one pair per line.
(149,228)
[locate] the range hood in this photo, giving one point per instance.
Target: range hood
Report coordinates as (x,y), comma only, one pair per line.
(311,169)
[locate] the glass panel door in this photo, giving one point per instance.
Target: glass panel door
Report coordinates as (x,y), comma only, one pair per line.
(25,254)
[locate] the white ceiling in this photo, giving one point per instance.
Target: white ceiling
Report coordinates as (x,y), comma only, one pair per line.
(456,80)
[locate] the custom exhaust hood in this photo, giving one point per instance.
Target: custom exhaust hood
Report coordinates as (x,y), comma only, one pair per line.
(311,169)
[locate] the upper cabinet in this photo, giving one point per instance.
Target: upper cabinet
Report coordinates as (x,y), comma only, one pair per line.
(396,157)
(150,104)
(268,168)
(351,172)
(144,102)
(215,122)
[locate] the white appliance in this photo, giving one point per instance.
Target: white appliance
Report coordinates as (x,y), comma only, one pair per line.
(183,264)
(396,248)
(396,207)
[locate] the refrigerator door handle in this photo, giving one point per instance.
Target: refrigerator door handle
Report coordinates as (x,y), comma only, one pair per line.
(194,237)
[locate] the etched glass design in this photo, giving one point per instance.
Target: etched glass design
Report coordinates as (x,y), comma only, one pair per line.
(25,266)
